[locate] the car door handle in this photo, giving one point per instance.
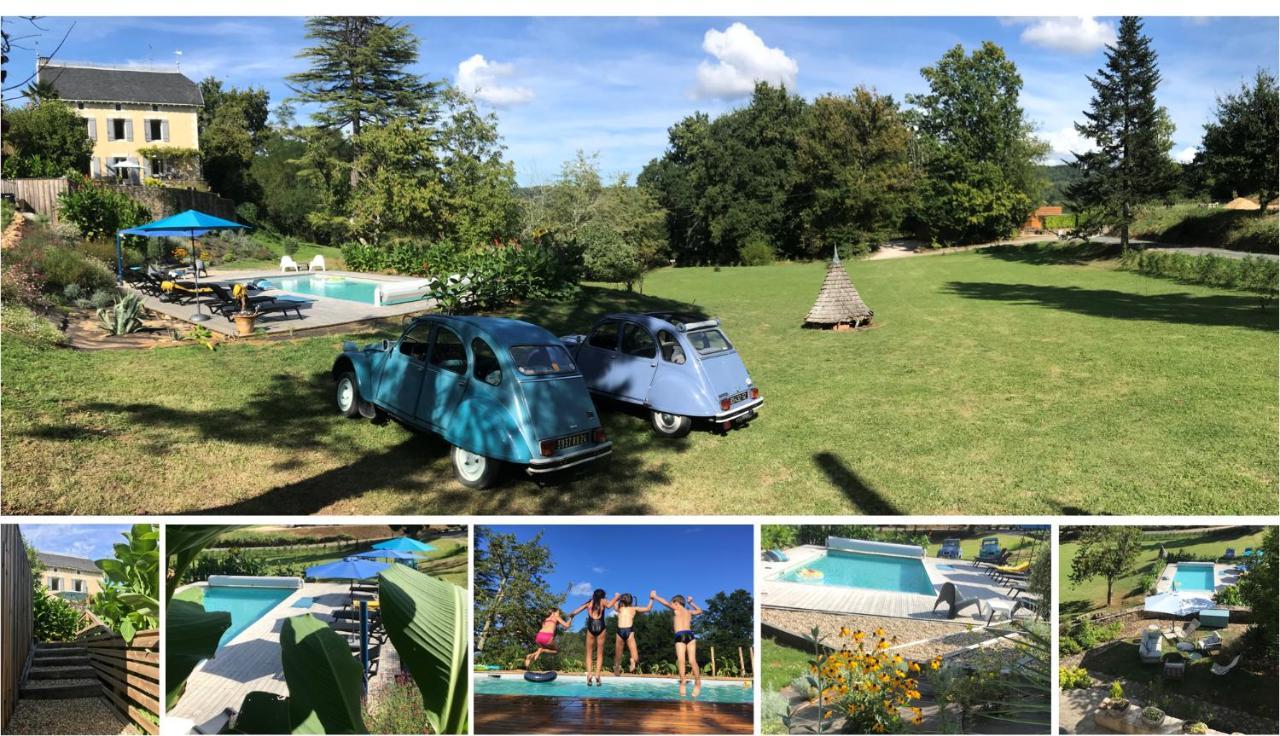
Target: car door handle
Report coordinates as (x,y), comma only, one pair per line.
(653,364)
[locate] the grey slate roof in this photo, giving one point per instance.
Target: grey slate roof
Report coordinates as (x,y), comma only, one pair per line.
(83,83)
(68,562)
(838,302)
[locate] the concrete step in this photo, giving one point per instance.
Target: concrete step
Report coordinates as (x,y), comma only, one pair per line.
(63,673)
(61,689)
(51,661)
(45,650)
(58,645)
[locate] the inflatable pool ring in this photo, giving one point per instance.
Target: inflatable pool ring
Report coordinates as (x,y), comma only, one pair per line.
(808,573)
(546,676)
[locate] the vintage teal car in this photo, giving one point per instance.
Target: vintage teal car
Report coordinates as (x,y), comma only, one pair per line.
(500,391)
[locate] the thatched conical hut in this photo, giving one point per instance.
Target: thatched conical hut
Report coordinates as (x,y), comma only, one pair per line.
(838,306)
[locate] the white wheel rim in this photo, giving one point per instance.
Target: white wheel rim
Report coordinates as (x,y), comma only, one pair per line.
(470,465)
(667,421)
(346,394)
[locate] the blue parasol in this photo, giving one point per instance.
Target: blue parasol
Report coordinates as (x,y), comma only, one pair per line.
(190,223)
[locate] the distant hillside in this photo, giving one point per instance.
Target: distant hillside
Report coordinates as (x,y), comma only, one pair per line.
(1059,177)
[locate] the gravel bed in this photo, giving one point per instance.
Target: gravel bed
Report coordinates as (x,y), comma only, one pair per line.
(60,682)
(953,635)
(74,716)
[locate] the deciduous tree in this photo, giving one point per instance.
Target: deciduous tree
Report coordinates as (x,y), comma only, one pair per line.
(511,594)
(1108,552)
(1240,149)
(45,139)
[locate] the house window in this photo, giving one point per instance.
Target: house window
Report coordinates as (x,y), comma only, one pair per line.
(118,106)
(159,167)
(117,128)
(55,584)
(120,172)
(77,585)
(155,130)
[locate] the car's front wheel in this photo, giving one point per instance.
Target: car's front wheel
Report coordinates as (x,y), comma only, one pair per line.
(472,470)
(347,395)
(670,425)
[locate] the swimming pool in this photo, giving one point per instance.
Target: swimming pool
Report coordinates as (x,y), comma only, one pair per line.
(861,570)
(636,688)
(245,605)
(1194,576)
(334,287)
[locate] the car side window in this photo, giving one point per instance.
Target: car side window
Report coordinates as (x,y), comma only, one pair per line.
(487,367)
(671,350)
(604,336)
(637,341)
(448,352)
(416,341)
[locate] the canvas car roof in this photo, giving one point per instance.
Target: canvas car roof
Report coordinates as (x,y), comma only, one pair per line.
(503,329)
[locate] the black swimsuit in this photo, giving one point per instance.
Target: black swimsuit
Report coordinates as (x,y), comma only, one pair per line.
(595,626)
(625,633)
(684,636)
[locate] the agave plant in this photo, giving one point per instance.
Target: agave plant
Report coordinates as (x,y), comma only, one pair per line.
(123,317)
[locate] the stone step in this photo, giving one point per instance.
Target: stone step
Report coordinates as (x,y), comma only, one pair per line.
(67,651)
(62,673)
(60,661)
(58,645)
(61,689)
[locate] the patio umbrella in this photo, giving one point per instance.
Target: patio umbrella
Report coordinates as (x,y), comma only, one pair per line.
(386,554)
(190,223)
(349,568)
(1176,604)
(405,544)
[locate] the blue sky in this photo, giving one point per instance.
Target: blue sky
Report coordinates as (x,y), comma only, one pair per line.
(614,85)
(91,541)
(694,560)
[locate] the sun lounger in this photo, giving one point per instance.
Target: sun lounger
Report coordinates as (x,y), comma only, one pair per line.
(1230,554)
(951,596)
(279,306)
(1220,670)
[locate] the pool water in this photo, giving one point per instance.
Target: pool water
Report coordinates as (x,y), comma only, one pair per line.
(575,686)
(860,570)
(1194,576)
(245,605)
(334,287)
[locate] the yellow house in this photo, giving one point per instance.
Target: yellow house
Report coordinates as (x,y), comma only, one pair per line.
(129,112)
(75,578)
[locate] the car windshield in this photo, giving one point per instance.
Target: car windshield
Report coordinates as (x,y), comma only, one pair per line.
(542,360)
(709,341)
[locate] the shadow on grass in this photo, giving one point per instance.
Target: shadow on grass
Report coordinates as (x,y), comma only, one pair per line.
(1053,253)
(1067,609)
(863,497)
(1218,310)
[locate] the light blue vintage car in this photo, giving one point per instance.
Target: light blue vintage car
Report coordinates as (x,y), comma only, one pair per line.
(678,368)
(500,391)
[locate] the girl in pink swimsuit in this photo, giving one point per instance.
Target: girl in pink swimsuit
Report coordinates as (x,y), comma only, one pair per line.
(547,635)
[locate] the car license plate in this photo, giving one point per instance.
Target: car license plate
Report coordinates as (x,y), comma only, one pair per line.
(740,396)
(573,440)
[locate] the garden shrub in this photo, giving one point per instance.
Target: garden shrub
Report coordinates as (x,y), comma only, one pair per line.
(867,685)
(100,211)
(1117,690)
(54,618)
(20,283)
(1147,582)
(1082,635)
(29,326)
(757,252)
(1179,555)
(773,708)
(607,257)
(1260,276)
(63,266)
(361,257)
(1072,678)
(1229,596)
(232,562)
(103,298)
(777,536)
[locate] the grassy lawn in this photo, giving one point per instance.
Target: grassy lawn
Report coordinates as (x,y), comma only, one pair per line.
(447,561)
(1251,691)
(992,383)
(1091,595)
(306,251)
(780,664)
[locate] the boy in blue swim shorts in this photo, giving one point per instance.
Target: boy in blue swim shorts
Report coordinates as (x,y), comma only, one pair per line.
(683,612)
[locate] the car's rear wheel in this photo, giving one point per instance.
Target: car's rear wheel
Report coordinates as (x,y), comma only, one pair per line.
(472,470)
(348,395)
(670,425)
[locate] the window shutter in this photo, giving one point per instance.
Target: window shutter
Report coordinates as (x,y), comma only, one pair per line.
(111,129)
(93,166)
(128,130)
(93,129)
(146,130)
(164,130)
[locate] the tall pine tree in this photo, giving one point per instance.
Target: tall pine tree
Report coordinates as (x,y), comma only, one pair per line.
(359,73)
(1133,135)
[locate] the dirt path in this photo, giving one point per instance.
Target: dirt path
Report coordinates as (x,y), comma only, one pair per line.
(908,248)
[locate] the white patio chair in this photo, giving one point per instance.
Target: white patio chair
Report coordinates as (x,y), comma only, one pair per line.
(287,263)
(1220,670)
(317,263)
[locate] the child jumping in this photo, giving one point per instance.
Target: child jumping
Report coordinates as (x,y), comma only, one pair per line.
(686,643)
(546,638)
(595,609)
(626,612)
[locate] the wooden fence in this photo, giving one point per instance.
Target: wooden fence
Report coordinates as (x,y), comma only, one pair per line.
(15,617)
(129,673)
(40,195)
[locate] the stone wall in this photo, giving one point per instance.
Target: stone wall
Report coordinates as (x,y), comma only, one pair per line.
(166,201)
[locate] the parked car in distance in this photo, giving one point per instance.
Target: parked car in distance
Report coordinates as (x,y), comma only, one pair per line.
(500,391)
(679,368)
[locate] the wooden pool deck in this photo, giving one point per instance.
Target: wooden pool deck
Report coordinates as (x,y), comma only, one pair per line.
(971,581)
(502,714)
(249,662)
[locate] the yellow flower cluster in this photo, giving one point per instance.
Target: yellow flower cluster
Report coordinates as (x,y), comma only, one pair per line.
(867,684)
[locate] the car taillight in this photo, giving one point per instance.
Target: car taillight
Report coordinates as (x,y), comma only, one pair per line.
(598,435)
(548,447)
(724,405)
(755,393)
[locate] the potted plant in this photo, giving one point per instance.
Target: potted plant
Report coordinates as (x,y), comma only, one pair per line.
(1117,698)
(1152,716)
(244,318)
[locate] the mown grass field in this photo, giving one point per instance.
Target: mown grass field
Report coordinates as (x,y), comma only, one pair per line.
(1091,595)
(1002,382)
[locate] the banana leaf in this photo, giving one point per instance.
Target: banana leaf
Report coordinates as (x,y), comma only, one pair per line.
(326,683)
(183,542)
(264,712)
(426,620)
(191,635)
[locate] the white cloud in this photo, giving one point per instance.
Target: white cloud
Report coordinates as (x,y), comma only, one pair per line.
(480,78)
(581,589)
(597,569)
(1063,142)
(1076,34)
(741,60)
(1185,155)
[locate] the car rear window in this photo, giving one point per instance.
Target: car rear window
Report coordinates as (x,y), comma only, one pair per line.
(710,341)
(542,360)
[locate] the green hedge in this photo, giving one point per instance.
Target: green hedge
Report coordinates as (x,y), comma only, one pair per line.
(1212,227)
(1253,274)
